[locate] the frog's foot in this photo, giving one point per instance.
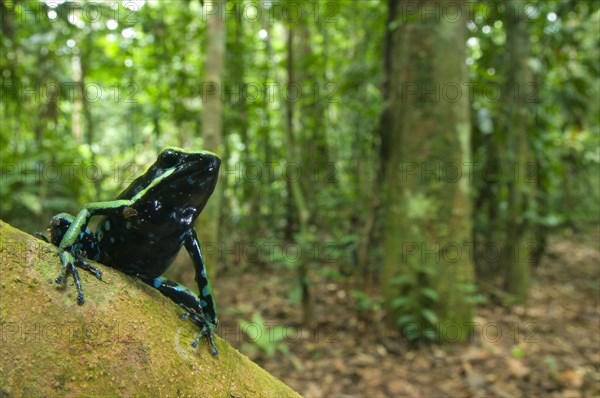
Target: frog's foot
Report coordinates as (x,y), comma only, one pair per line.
(190,303)
(81,263)
(70,264)
(206,328)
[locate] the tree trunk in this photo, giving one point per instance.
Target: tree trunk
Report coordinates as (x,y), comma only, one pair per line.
(385,131)
(517,120)
(126,340)
(212,125)
(428,214)
(265,134)
(298,197)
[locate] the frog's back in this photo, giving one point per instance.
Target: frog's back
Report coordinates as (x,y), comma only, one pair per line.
(135,249)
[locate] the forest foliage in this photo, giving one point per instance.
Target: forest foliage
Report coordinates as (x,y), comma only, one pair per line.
(92,91)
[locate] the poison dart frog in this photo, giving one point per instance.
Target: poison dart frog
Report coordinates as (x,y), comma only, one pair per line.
(142,231)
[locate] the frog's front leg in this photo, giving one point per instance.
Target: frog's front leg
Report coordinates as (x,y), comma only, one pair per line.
(207,303)
(209,307)
(188,301)
(201,310)
(70,244)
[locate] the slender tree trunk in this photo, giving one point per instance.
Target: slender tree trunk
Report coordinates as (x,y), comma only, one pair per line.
(487,267)
(540,233)
(295,189)
(212,125)
(428,213)
(249,197)
(365,270)
(519,82)
(265,130)
(312,135)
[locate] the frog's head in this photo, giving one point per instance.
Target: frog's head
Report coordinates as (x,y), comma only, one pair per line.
(178,180)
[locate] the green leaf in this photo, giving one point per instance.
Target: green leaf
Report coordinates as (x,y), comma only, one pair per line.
(518,352)
(284,349)
(403,280)
(257,318)
(411,331)
(400,302)
(406,319)
(251,329)
(429,315)
(278,333)
(430,334)
(30,202)
(430,293)
(428,270)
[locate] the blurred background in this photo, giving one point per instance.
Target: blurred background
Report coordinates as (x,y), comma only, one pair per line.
(409,196)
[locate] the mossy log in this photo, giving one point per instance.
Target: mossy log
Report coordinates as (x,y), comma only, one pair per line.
(126,340)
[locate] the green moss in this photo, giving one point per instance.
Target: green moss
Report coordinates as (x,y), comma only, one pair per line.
(126,340)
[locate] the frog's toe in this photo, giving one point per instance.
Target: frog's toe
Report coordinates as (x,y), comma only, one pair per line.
(66,260)
(69,266)
(63,273)
(207,331)
(80,298)
(206,328)
(81,263)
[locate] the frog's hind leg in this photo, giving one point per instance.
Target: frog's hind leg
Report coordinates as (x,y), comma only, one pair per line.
(68,264)
(75,240)
(59,224)
(188,301)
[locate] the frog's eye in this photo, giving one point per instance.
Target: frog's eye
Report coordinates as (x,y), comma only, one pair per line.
(168,158)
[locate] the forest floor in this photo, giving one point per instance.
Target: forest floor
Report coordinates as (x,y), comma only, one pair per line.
(550,348)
